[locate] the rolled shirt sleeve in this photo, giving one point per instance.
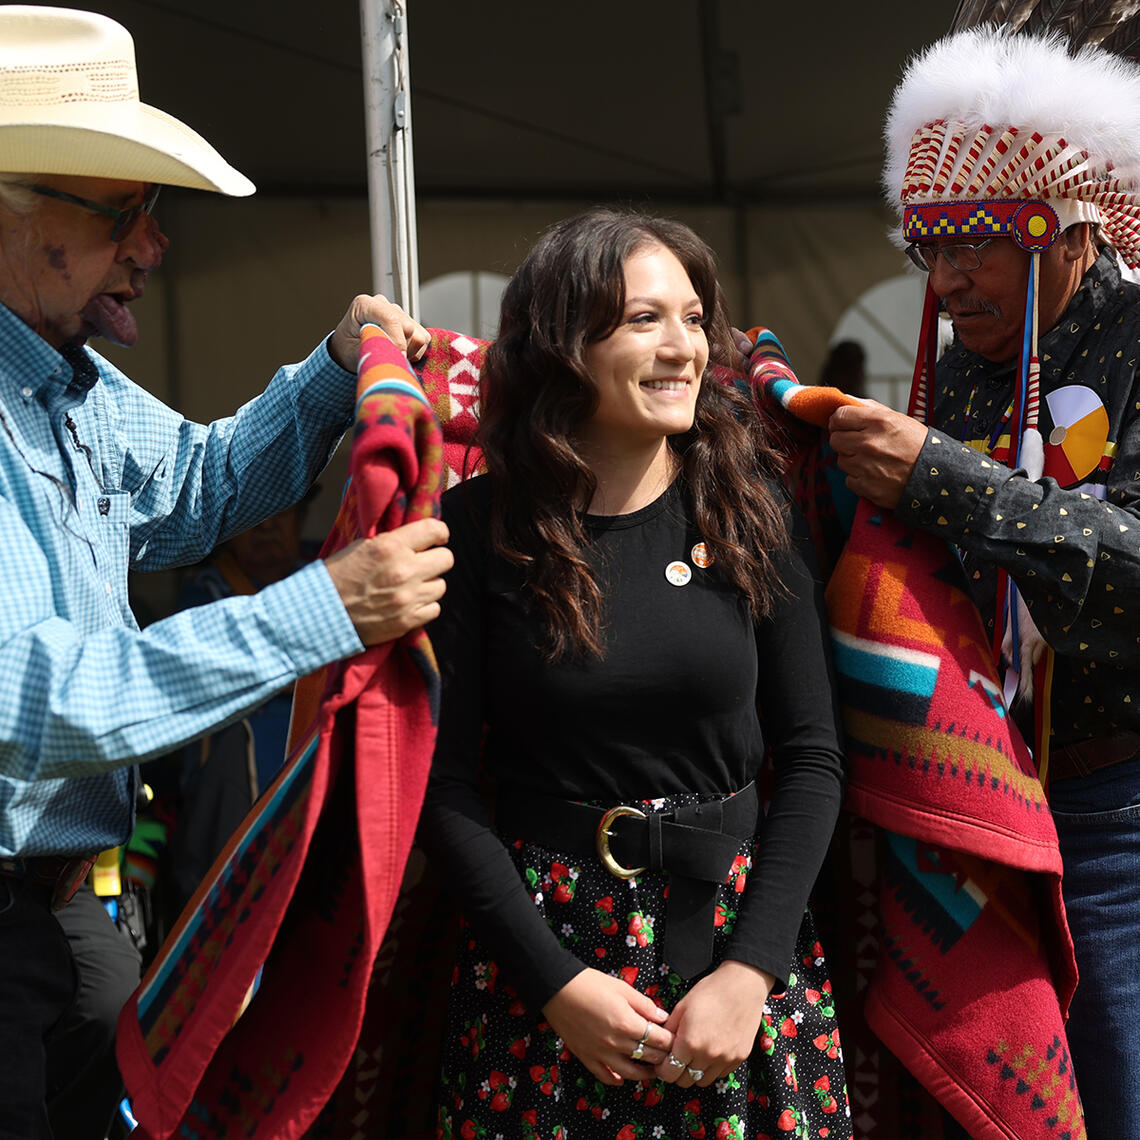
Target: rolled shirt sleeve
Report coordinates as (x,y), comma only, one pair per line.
(98,477)
(76,705)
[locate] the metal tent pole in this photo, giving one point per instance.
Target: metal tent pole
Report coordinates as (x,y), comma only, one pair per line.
(391,178)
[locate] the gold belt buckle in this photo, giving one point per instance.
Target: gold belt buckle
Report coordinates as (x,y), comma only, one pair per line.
(603,841)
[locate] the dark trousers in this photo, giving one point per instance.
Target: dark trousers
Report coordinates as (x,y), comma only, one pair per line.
(1098,825)
(64,977)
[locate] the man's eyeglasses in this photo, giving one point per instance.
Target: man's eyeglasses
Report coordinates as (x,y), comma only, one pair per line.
(964,257)
(124,219)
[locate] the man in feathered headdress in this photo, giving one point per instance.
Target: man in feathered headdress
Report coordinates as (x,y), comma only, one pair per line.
(1017,168)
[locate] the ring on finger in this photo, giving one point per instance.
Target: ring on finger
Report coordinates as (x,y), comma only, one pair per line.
(696,1074)
(639,1048)
(674,1063)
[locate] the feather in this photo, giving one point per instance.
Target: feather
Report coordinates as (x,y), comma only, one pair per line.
(1089,21)
(985,75)
(1047,16)
(1112,24)
(1124,39)
(1034,15)
(970,13)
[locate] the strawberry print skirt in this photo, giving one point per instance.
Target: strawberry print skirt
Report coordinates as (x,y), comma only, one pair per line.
(507,1076)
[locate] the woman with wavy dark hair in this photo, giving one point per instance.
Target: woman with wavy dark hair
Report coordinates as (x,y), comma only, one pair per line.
(632,624)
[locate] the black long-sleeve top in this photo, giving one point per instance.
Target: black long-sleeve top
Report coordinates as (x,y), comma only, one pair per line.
(671,708)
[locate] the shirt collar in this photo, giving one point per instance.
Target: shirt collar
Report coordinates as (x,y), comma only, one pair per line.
(36,365)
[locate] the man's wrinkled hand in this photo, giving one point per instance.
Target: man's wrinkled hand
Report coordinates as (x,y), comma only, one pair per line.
(876,448)
(742,345)
(392,583)
(410,337)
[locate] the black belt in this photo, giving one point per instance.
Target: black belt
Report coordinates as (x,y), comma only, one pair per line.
(60,874)
(1092,755)
(695,845)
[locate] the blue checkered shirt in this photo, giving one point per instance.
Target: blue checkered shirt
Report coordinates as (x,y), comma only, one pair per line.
(97,477)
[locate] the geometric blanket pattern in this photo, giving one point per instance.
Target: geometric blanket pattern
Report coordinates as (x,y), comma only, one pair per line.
(449,373)
(975,968)
(296,906)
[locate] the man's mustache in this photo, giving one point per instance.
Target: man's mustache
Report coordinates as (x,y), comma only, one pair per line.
(965,308)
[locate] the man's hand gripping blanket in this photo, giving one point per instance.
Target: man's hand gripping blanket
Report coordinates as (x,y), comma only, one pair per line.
(296,906)
(975,968)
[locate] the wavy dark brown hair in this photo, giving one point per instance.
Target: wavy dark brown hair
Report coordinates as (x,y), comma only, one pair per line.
(536,394)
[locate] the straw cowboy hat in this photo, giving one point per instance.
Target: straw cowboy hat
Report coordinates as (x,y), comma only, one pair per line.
(69,104)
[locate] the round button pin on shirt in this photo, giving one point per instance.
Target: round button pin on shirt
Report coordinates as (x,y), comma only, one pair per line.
(701,556)
(678,574)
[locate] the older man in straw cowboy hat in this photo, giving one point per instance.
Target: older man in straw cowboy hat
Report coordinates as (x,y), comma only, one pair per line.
(1016,164)
(97,477)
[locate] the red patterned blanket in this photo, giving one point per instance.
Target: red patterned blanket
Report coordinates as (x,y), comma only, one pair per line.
(302,895)
(975,967)
(954,918)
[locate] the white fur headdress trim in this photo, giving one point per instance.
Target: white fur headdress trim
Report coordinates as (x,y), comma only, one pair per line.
(988,114)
